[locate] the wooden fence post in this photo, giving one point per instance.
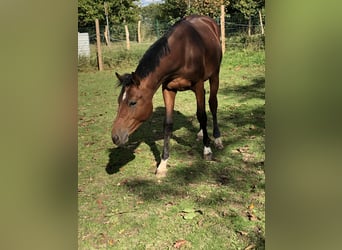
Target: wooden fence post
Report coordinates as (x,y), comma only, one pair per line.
(249,26)
(139,31)
(127,37)
(223,34)
(98,42)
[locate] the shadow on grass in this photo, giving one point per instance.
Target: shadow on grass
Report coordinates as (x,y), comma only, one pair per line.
(228,170)
(256,89)
(149,132)
(243,114)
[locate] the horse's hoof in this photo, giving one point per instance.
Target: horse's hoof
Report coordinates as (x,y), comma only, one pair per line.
(207,154)
(161,169)
(208,157)
(161,173)
(218,143)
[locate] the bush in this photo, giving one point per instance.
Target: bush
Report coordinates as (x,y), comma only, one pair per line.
(243,41)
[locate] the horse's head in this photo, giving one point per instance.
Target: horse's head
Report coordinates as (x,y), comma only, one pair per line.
(135,107)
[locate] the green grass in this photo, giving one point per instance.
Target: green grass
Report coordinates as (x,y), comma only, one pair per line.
(208,204)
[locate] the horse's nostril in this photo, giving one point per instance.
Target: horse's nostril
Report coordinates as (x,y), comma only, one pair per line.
(115,139)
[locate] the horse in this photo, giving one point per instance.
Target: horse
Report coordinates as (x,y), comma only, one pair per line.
(182,59)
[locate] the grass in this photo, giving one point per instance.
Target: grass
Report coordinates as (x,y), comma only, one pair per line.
(210,205)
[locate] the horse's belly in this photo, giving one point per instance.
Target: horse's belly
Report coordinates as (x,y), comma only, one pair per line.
(179,84)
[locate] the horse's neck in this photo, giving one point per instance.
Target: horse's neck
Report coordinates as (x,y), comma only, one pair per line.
(153,81)
(159,75)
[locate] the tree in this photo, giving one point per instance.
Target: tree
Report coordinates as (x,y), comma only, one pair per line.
(88,11)
(173,10)
(207,7)
(119,11)
(152,12)
(249,9)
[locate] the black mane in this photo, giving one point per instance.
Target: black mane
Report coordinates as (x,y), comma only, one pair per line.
(152,56)
(125,80)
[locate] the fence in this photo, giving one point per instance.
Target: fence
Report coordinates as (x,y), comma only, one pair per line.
(236,33)
(235,25)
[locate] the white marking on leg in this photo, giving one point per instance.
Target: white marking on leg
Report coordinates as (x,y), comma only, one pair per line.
(162,169)
(207,150)
(207,153)
(200,135)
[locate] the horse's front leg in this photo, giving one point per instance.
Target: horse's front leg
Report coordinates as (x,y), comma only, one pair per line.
(169,100)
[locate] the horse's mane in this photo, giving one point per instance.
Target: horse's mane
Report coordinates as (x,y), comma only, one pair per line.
(152,56)
(155,52)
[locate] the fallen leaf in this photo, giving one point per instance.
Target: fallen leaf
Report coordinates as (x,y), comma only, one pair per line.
(123,182)
(169,204)
(189,216)
(111,242)
(243,233)
(179,243)
(250,247)
(190,213)
(188,210)
(251,216)
(251,207)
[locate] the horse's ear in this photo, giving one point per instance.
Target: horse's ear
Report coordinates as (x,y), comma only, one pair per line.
(119,77)
(135,79)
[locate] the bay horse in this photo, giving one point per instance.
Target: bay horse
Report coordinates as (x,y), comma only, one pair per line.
(183,59)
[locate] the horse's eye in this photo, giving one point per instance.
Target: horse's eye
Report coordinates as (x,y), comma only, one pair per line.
(132,103)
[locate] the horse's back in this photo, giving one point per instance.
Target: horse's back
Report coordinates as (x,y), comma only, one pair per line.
(195,50)
(203,25)
(209,32)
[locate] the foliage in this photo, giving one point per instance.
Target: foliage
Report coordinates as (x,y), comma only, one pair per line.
(119,11)
(208,8)
(88,11)
(248,8)
(152,12)
(173,10)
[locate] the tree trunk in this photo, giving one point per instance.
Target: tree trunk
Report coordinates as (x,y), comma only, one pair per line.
(261,24)
(98,42)
(106,35)
(249,26)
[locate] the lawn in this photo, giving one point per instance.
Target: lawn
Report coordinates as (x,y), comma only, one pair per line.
(218,204)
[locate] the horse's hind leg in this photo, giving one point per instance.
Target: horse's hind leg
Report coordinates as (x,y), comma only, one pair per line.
(202,119)
(214,85)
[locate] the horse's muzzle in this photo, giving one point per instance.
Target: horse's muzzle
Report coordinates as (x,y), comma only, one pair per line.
(120,138)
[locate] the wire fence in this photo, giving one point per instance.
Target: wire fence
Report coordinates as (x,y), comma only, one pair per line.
(236,33)
(151,31)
